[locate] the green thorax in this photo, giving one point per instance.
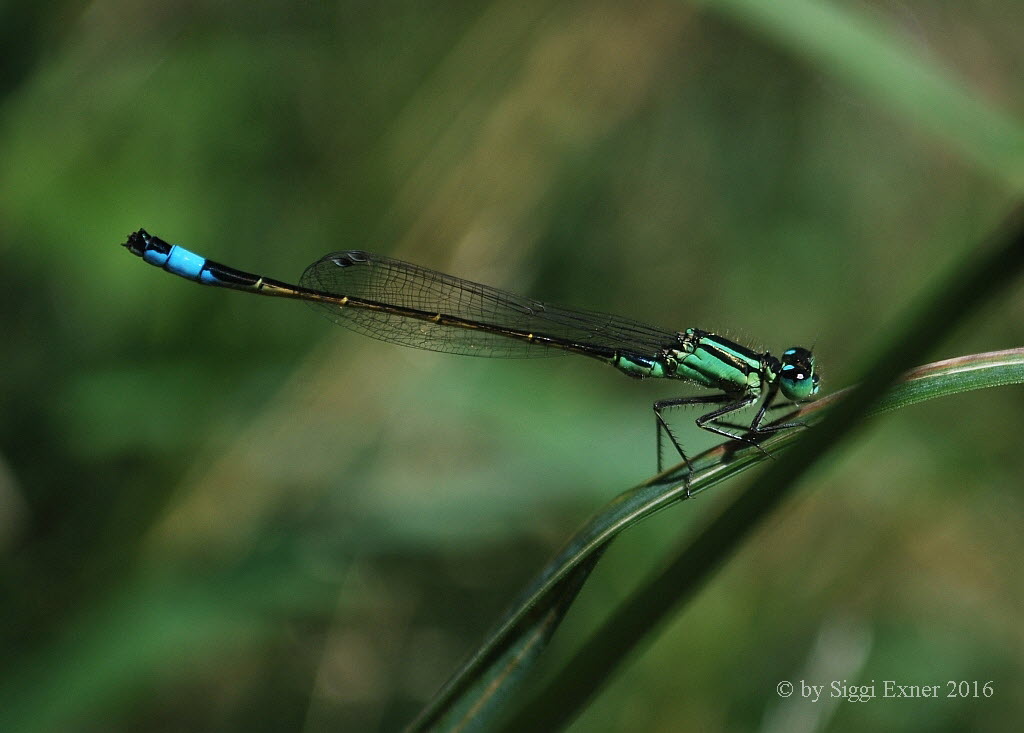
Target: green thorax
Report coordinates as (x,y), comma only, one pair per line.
(716,362)
(705,359)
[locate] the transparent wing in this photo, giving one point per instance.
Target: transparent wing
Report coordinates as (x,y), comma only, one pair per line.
(383,280)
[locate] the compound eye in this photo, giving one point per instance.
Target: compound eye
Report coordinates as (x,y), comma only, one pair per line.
(797,378)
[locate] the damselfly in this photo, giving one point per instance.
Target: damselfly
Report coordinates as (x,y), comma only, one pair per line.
(410,305)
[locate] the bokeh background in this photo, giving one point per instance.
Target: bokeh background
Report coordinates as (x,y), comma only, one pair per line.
(220,512)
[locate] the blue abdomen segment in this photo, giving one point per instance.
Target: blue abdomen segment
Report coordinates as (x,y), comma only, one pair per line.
(155,257)
(187,264)
(182,262)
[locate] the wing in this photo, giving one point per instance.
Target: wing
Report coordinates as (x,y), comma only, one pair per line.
(419,293)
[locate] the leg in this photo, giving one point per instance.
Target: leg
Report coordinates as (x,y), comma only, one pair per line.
(662,425)
(761,429)
(755,424)
(710,422)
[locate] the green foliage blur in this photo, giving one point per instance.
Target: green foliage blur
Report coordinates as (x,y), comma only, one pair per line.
(220,512)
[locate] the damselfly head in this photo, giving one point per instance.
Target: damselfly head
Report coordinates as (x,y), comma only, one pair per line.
(798,379)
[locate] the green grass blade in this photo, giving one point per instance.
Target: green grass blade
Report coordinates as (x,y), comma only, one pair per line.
(481,680)
(862,52)
(978,278)
(472,698)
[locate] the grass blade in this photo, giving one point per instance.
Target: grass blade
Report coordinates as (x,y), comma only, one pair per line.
(864,54)
(980,277)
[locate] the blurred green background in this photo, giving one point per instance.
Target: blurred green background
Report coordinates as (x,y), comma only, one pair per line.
(220,512)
